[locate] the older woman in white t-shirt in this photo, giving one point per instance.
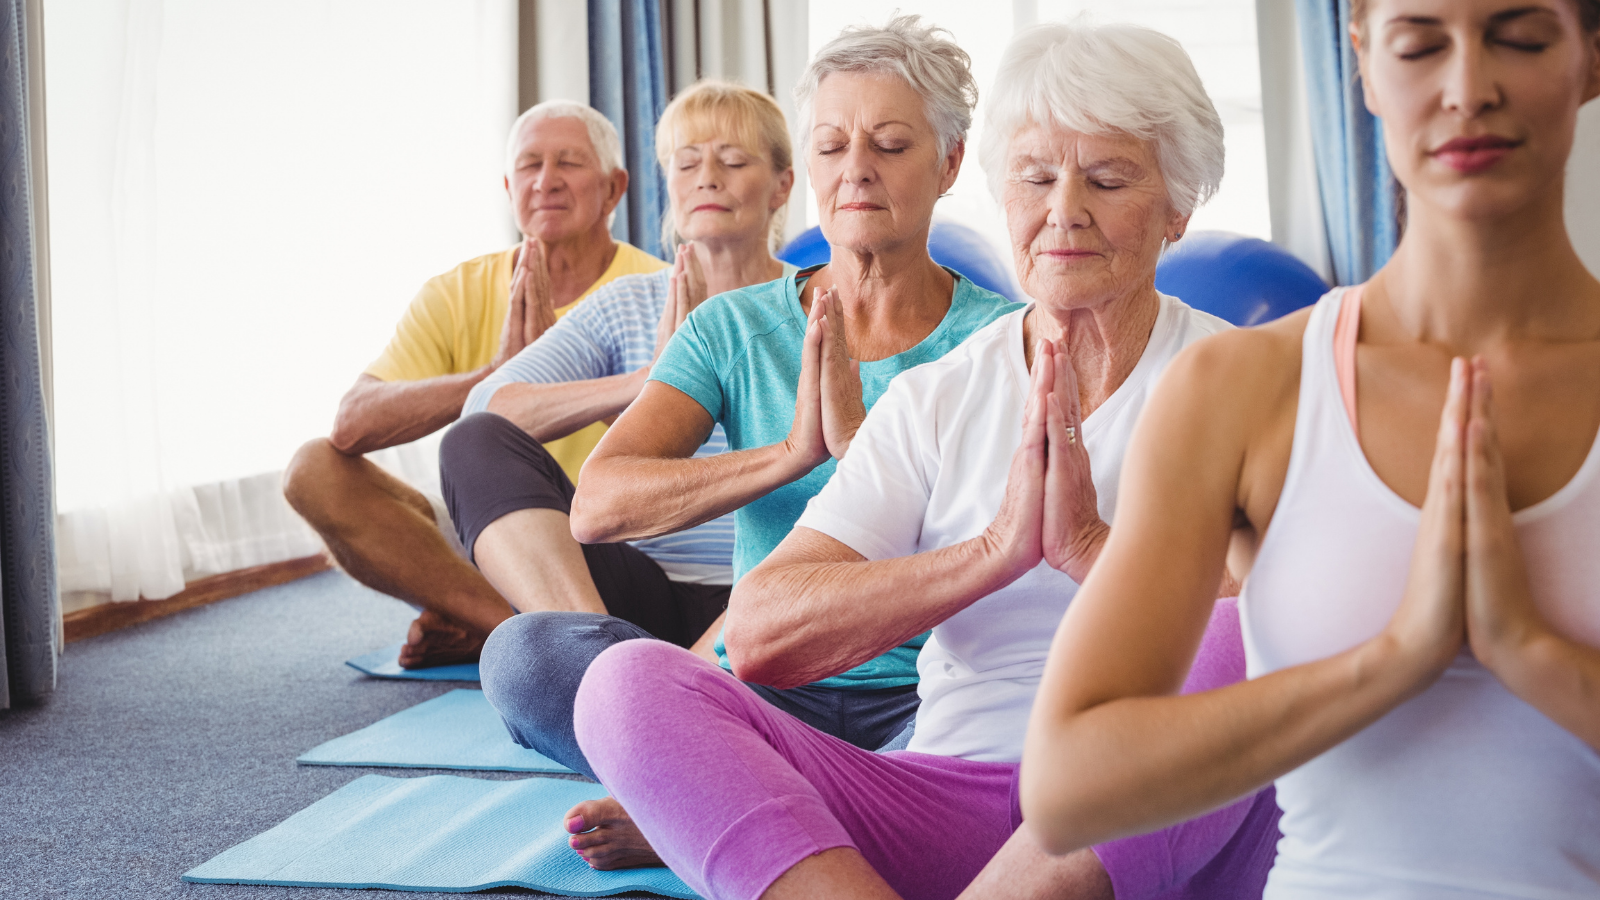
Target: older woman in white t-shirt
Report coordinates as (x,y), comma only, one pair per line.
(973,501)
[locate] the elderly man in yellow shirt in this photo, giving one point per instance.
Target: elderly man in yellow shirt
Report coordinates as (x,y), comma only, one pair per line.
(564,177)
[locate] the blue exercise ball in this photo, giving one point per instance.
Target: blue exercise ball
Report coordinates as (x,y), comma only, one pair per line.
(1244,280)
(951,244)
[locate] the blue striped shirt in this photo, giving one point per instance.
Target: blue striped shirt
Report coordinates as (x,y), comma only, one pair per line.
(613,332)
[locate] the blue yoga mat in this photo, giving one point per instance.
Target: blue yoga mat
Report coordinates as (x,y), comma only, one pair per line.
(439,833)
(385,663)
(458,730)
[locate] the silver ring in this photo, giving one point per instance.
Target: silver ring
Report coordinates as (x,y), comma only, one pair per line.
(1072,434)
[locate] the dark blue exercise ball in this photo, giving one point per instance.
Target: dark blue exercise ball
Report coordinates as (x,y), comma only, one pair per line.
(1244,280)
(950,244)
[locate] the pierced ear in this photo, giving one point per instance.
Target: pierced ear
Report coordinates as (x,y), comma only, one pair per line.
(1177,226)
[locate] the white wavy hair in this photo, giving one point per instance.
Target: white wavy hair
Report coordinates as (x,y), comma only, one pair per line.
(1098,78)
(602,134)
(926,56)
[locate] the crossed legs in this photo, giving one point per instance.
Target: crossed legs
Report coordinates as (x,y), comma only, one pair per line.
(384,534)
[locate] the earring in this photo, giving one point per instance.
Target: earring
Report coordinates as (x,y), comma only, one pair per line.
(1176,238)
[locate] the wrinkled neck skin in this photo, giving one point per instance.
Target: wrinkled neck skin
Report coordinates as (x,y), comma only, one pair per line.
(892,297)
(735,262)
(1104,341)
(1468,284)
(578,261)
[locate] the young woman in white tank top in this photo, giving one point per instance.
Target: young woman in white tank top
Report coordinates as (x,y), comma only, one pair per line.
(1422,616)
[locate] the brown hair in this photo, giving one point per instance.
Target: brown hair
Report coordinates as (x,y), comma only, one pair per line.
(748,118)
(1588,14)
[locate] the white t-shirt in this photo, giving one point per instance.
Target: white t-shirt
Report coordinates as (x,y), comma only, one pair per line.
(928,470)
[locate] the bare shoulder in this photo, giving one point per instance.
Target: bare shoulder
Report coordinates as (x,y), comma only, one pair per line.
(1240,371)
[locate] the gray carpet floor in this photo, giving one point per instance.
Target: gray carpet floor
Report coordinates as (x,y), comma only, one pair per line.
(171,741)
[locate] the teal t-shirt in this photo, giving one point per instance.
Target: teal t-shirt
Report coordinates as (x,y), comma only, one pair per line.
(738,355)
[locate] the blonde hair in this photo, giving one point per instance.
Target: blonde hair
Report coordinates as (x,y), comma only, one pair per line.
(723,110)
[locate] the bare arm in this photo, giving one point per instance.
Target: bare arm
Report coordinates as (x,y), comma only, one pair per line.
(551,411)
(641,481)
(815,607)
(1108,703)
(375,414)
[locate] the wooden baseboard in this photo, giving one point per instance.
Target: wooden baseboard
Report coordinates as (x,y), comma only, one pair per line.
(86,623)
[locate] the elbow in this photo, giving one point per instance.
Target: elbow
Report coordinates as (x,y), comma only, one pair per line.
(756,655)
(1060,812)
(590,519)
(345,437)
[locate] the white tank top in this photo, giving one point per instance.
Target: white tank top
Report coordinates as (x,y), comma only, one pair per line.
(1464,791)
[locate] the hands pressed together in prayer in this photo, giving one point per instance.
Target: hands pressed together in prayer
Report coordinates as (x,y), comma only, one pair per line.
(686,289)
(1468,584)
(1050,511)
(530,311)
(828,407)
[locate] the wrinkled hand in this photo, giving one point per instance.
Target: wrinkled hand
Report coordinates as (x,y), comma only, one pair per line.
(1501,615)
(806,441)
(842,407)
(529,309)
(1015,535)
(1073,532)
(1429,627)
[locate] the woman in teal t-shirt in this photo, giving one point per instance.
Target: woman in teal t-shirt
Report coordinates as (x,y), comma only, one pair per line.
(789,369)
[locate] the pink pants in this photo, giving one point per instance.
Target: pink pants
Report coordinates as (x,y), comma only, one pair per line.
(732,792)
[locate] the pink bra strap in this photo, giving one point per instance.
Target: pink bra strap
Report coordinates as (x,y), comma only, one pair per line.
(1345,331)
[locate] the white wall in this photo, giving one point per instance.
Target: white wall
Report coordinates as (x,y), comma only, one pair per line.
(1583,188)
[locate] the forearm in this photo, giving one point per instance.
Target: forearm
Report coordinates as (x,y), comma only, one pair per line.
(377,414)
(627,498)
(793,624)
(1159,760)
(1558,677)
(551,411)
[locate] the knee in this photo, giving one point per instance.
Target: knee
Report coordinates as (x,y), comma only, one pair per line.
(632,684)
(467,441)
(312,470)
(533,662)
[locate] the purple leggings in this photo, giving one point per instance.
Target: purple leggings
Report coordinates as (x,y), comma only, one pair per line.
(733,792)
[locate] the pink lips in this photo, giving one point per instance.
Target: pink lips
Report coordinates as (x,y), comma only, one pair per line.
(1470,156)
(710,207)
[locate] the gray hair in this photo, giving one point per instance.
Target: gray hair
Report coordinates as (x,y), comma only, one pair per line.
(1097,78)
(926,56)
(602,134)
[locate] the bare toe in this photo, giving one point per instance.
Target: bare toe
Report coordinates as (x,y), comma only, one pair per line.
(436,640)
(607,838)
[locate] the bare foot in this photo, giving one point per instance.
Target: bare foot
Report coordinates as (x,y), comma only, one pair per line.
(436,640)
(608,838)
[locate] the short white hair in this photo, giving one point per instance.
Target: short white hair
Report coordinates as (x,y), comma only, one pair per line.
(602,134)
(926,56)
(1098,78)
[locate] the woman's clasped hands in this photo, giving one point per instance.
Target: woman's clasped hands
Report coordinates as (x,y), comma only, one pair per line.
(1051,510)
(1468,584)
(828,407)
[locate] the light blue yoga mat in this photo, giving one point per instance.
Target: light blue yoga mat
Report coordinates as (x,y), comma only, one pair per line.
(385,663)
(458,730)
(439,833)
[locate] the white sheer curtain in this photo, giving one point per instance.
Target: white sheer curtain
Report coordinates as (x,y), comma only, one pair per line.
(244,197)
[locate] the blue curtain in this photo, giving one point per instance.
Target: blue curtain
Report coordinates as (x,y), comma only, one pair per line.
(628,84)
(27,514)
(1358,198)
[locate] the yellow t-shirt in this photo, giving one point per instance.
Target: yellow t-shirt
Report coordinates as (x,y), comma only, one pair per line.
(453,326)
